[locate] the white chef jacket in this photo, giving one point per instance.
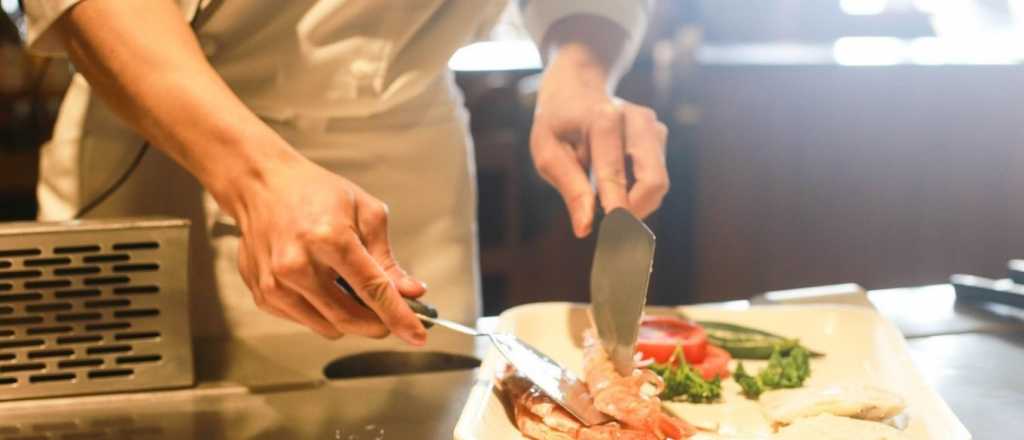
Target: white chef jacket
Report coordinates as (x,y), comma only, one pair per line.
(360,87)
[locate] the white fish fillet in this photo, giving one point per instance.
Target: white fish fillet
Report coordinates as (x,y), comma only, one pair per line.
(829,427)
(850,400)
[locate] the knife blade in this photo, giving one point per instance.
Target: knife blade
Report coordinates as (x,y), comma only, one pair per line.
(619,279)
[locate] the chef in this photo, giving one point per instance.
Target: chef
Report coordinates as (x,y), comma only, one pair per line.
(331,135)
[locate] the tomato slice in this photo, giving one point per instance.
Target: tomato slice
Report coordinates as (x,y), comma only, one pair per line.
(660,335)
(716,363)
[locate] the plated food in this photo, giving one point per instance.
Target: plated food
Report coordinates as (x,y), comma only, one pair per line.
(859,348)
(631,400)
(676,362)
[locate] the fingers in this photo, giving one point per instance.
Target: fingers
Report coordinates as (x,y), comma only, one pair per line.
(278,299)
(559,165)
(606,145)
(645,143)
(347,256)
(302,274)
(372,222)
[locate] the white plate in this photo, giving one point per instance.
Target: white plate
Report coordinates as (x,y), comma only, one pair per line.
(860,346)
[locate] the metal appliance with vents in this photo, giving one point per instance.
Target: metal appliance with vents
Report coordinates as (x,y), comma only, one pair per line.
(93,306)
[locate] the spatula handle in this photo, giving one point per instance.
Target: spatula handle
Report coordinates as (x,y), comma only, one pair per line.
(414,304)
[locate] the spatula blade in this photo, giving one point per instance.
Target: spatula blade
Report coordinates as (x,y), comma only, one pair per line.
(618,284)
(558,383)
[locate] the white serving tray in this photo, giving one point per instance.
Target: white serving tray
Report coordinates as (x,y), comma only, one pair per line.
(860,346)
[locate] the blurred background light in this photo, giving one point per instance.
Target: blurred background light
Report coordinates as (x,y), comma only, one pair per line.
(496,55)
(863,7)
(870,51)
(9,6)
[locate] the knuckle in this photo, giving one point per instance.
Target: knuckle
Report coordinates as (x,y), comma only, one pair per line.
(377,289)
(543,159)
(661,130)
(377,213)
(268,285)
(324,232)
(378,332)
(646,114)
(289,265)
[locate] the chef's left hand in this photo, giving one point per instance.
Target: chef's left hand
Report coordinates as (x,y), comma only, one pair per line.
(578,124)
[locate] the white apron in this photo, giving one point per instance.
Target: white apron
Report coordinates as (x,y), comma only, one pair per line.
(358,86)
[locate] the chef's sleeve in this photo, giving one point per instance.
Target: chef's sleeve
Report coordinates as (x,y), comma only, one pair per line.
(539,15)
(41,16)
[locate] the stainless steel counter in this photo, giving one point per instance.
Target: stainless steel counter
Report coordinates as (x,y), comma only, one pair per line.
(273,387)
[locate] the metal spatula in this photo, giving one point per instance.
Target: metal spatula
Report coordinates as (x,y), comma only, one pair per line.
(618,284)
(561,385)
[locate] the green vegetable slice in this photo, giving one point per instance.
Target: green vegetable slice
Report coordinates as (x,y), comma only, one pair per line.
(744,342)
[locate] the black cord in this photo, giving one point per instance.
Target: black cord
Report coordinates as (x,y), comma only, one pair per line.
(103,196)
(117,183)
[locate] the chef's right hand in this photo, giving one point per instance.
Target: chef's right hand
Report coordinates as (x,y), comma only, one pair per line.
(300,225)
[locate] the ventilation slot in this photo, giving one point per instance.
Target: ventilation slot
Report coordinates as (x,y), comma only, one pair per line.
(136,290)
(6,310)
(19,252)
(79,339)
(30,296)
(110,258)
(20,274)
(48,330)
(139,245)
(141,267)
(141,359)
(137,313)
(8,380)
(49,284)
(59,261)
(104,349)
(21,320)
(80,363)
(22,367)
(104,303)
(41,354)
(6,286)
(5,264)
(107,326)
(6,356)
(85,270)
(86,435)
(20,343)
(103,374)
(76,249)
(28,437)
(77,293)
(74,317)
(6,333)
(136,336)
(102,281)
(62,377)
(51,307)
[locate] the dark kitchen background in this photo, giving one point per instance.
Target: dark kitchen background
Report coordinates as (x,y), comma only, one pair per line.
(811,142)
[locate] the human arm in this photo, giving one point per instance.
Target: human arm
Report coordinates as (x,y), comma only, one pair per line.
(300,223)
(579,124)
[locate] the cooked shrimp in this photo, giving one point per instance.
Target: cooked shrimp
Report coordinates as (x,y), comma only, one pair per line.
(632,399)
(538,417)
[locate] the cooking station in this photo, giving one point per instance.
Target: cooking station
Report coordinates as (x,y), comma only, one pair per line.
(275,386)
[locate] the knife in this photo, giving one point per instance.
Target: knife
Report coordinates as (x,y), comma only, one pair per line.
(619,279)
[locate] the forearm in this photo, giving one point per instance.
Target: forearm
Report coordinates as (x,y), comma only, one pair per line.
(144,61)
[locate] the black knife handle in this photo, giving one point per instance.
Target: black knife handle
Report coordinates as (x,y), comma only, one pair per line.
(414,304)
